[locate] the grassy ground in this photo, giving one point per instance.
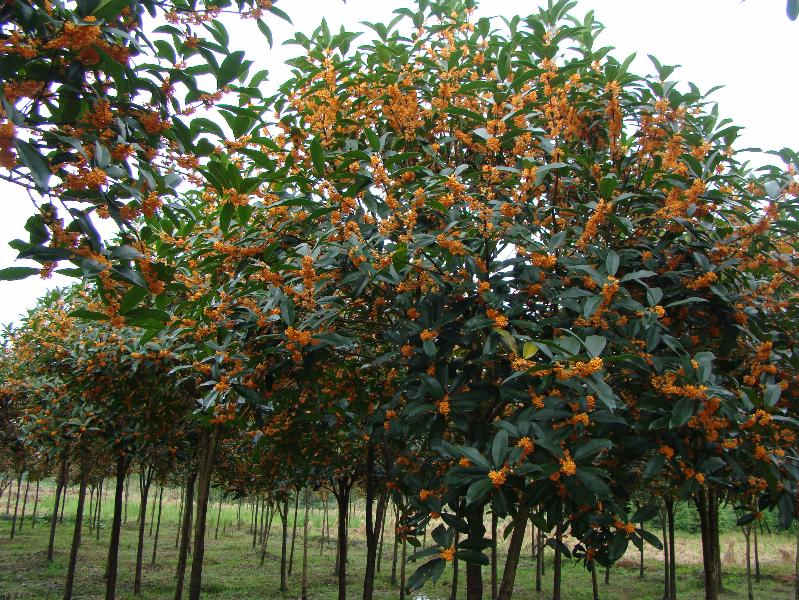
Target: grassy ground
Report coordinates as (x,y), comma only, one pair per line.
(232,568)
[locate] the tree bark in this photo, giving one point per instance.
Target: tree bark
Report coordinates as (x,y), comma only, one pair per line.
(342,488)
(493,555)
(204,484)
(218,516)
(180,515)
(185,534)
(747,530)
(755,527)
(304,589)
(157,525)
(556,566)
(62,476)
(35,506)
(382,536)
(514,551)
(641,562)
(116,527)
(539,560)
(394,553)
(16,507)
(453,594)
(708,553)
(99,510)
(145,480)
(373,520)
(284,516)
(24,505)
(294,531)
(85,467)
(672,548)
(152,516)
(255,528)
(402,570)
(594,582)
(664,528)
(474,575)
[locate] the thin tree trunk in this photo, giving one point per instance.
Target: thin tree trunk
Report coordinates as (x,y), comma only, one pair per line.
(493,555)
(204,483)
(255,522)
(394,552)
(123,462)
(514,551)
(796,567)
(54,520)
(641,562)
(24,505)
(294,531)
(91,508)
(664,529)
(607,575)
(556,566)
(747,533)
(757,552)
(672,548)
(145,479)
(713,523)
(304,589)
(284,515)
(265,537)
(157,525)
(382,536)
(85,466)
(343,498)
(453,594)
(402,570)
(185,534)
(99,510)
(539,560)
(374,517)
(35,506)
(708,553)
(218,516)
(16,507)
(127,485)
(63,502)
(594,582)
(180,515)
(474,575)
(152,516)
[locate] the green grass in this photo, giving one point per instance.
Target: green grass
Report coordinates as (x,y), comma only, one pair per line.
(232,569)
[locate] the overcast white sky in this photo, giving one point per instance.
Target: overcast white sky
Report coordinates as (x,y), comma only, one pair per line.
(750,47)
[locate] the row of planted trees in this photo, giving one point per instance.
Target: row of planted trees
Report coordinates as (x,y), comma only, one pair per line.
(473,265)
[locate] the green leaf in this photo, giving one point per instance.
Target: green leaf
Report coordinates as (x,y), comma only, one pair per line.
(478,490)
(682,412)
(637,275)
(37,165)
(425,572)
(499,448)
(88,315)
(793,9)
(595,344)
(528,350)
(318,157)
(16,273)
(110,9)
(472,556)
(654,466)
(591,447)
(230,68)
(131,298)
(772,395)
(473,454)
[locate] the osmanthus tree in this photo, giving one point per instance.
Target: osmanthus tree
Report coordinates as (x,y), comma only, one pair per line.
(110,392)
(552,240)
(101,105)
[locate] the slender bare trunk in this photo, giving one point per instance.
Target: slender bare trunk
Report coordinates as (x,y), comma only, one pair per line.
(539,560)
(24,505)
(16,507)
(35,506)
(62,476)
(594,582)
(514,551)
(556,566)
(180,515)
(474,575)
(294,531)
(402,569)
(672,548)
(157,525)
(493,555)
(218,516)
(747,530)
(204,484)
(123,462)
(185,534)
(85,467)
(757,552)
(145,480)
(453,593)
(304,589)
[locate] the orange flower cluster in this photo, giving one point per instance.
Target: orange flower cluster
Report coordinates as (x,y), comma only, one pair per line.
(591,227)
(8,155)
(428,335)
(567,464)
(500,320)
(497,477)
(580,369)
(448,554)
